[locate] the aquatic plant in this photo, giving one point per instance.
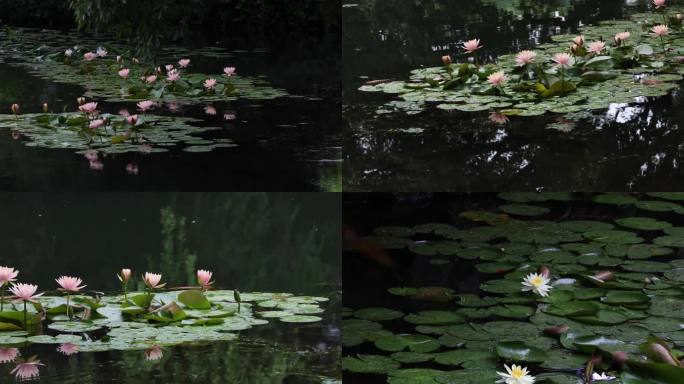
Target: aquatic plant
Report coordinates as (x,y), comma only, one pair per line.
(25,293)
(69,285)
(589,74)
(7,276)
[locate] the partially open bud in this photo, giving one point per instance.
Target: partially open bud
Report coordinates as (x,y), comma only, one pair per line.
(574,48)
(15,108)
(557,330)
(578,40)
(604,275)
(119,59)
(679,16)
(45,107)
(446,59)
(659,352)
(619,358)
(544,271)
(81,100)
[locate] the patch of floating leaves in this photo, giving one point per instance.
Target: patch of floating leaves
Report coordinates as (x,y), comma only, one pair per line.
(641,66)
(617,287)
(151,133)
(106,324)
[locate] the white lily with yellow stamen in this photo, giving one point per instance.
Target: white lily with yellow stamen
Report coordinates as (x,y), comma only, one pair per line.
(537,283)
(517,374)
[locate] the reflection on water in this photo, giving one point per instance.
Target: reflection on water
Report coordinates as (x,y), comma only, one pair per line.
(284,242)
(624,147)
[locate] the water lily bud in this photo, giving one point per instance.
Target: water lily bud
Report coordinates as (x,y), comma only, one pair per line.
(544,271)
(679,16)
(446,59)
(119,59)
(574,48)
(557,330)
(15,108)
(136,61)
(45,107)
(604,275)
(81,100)
(619,358)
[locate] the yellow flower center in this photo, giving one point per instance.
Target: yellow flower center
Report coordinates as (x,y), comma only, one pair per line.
(517,372)
(537,281)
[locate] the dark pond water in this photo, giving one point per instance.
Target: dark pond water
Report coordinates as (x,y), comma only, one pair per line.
(635,147)
(276,242)
(290,143)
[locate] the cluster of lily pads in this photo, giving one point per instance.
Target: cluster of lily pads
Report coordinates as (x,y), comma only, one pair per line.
(568,300)
(108,72)
(147,320)
(643,58)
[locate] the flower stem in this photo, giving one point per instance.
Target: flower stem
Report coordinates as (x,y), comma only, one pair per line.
(2,298)
(25,321)
(68,314)
(562,80)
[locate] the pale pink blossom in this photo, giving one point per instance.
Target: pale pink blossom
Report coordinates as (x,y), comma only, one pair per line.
(95,124)
(204,278)
(659,3)
(69,283)
(27,370)
(622,37)
(151,79)
(124,73)
(8,355)
(101,52)
(229,116)
(184,63)
(68,349)
(132,119)
(152,280)
(88,107)
(96,165)
(154,353)
(7,275)
(525,57)
(24,292)
(229,71)
(661,30)
(68,52)
(497,78)
(124,275)
(209,83)
(210,110)
(173,75)
(563,59)
(498,118)
(89,56)
(472,45)
(596,47)
(169,67)
(145,105)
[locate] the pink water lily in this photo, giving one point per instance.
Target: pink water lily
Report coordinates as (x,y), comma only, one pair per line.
(132,120)
(661,30)
(89,56)
(596,47)
(622,37)
(229,71)
(497,79)
(210,110)
(132,168)
(88,107)
(68,52)
(27,370)
(124,73)
(25,292)
(204,278)
(68,349)
(7,275)
(472,45)
(229,116)
(563,59)
(91,155)
(173,75)
(151,79)
(152,280)
(209,83)
(184,63)
(96,165)
(525,57)
(145,105)
(8,355)
(101,52)
(124,275)
(154,353)
(95,124)
(498,118)
(578,40)
(69,283)
(169,67)
(659,3)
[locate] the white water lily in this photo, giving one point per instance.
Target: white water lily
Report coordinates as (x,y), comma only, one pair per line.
(537,283)
(516,375)
(602,377)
